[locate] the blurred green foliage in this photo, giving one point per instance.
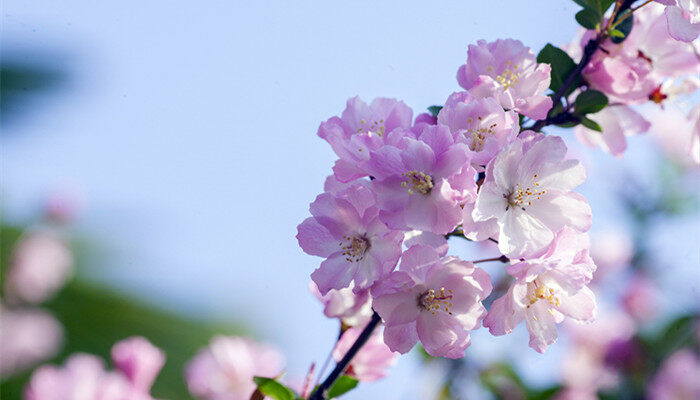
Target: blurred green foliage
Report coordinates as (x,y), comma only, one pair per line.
(95,317)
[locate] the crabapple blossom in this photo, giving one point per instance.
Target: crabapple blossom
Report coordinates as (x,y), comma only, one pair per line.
(225,369)
(41,264)
(528,191)
(84,377)
(585,368)
(421,184)
(371,362)
(673,131)
(477,231)
(507,71)
(362,128)
(139,360)
(641,298)
(353,309)
(546,290)
(683,18)
(677,378)
(346,230)
(27,337)
(434,300)
(617,122)
(611,250)
(480,123)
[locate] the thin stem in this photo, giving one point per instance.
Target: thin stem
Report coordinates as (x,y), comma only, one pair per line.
(321,392)
(628,13)
(502,259)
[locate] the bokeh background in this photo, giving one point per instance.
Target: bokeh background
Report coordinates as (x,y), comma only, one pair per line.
(184,135)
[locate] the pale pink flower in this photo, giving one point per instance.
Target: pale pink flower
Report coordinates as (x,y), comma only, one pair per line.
(528,191)
(84,377)
(507,71)
(139,360)
(346,230)
(422,184)
(434,300)
(27,337)
(674,132)
(480,123)
(678,378)
(641,298)
(611,250)
(225,369)
(546,290)
(617,122)
(629,72)
(683,18)
(353,309)
(362,128)
(584,367)
(373,360)
(41,264)
(650,40)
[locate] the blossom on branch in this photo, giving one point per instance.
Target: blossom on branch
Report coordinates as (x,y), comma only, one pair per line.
(431,299)
(507,71)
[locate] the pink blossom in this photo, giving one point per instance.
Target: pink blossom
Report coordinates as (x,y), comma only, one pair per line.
(641,298)
(434,300)
(584,367)
(41,264)
(422,184)
(480,123)
(27,337)
(630,71)
(683,18)
(83,377)
(225,369)
(528,191)
(371,362)
(353,309)
(617,122)
(674,132)
(346,230)
(507,71)
(611,250)
(477,231)
(678,378)
(546,290)
(362,128)
(650,40)
(139,360)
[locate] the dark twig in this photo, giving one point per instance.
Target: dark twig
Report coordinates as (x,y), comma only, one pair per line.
(502,259)
(321,391)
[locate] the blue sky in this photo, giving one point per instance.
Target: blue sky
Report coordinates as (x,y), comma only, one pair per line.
(189,129)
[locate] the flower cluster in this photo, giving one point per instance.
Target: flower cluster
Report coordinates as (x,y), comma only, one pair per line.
(401,187)
(653,64)
(83,376)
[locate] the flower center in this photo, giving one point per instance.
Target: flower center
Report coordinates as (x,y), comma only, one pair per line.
(417,181)
(538,291)
(435,301)
(523,196)
(508,77)
(479,135)
(374,126)
(354,247)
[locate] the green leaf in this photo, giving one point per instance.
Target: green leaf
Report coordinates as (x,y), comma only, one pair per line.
(625,27)
(562,65)
(590,124)
(590,102)
(616,34)
(599,6)
(582,3)
(341,386)
(273,388)
(434,110)
(587,18)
